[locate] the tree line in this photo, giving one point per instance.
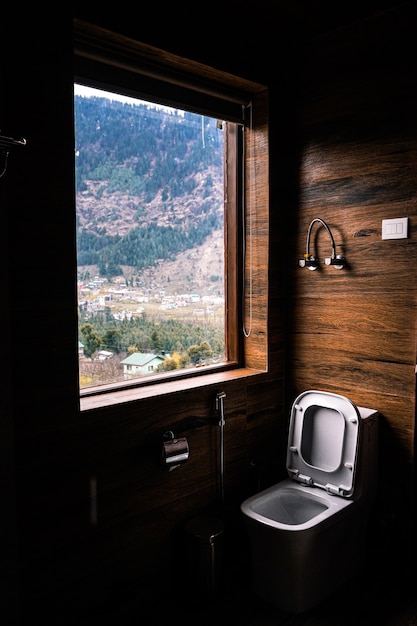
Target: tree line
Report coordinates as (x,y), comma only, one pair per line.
(184,343)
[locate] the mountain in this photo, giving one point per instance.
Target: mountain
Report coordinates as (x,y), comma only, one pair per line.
(149,188)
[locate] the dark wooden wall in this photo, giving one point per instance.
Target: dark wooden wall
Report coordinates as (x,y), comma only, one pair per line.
(342,147)
(353,331)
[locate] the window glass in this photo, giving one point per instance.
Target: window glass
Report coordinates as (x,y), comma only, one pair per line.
(150,198)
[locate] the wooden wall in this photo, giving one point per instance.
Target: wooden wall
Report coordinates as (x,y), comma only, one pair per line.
(342,147)
(353,331)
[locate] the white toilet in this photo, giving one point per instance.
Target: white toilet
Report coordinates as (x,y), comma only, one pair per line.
(306,533)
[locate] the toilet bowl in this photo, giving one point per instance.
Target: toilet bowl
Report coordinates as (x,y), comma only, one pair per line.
(306,533)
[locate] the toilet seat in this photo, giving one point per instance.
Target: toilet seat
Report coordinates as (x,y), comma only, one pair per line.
(323,441)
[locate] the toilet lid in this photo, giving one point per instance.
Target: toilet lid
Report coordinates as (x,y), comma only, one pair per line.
(323,441)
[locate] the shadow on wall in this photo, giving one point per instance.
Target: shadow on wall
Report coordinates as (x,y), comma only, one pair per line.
(392,517)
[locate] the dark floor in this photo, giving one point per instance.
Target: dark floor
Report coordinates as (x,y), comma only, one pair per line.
(384,593)
(380,595)
(360,603)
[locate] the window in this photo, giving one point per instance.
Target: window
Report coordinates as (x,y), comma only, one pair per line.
(150,194)
(169,155)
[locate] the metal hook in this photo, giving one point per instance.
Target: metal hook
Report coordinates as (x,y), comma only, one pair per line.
(168,435)
(5,144)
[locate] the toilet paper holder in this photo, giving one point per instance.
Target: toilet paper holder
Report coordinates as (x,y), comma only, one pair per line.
(175,451)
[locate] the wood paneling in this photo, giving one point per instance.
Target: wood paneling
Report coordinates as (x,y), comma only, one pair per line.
(354,331)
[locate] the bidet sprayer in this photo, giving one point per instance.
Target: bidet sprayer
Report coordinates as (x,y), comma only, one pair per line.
(310,261)
(220,406)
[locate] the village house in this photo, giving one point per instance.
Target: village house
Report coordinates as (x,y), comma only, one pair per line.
(139,363)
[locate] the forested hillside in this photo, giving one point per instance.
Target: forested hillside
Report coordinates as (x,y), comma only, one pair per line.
(149,183)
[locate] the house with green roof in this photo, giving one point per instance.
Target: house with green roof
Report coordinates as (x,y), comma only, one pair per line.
(141,364)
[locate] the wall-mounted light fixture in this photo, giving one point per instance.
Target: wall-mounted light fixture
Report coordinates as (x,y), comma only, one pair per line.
(5,144)
(310,261)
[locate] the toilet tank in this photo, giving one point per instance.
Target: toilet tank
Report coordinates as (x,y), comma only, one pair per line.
(367,469)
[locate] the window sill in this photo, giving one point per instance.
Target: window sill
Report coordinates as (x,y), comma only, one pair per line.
(165,388)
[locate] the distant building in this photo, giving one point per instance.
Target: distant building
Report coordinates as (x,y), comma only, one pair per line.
(140,364)
(103,355)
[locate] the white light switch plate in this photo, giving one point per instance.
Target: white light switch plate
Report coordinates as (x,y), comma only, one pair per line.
(396,228)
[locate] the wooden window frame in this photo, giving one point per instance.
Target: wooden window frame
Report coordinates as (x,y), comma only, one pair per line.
(246,225)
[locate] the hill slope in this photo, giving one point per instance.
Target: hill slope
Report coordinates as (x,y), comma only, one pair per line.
(149,193)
